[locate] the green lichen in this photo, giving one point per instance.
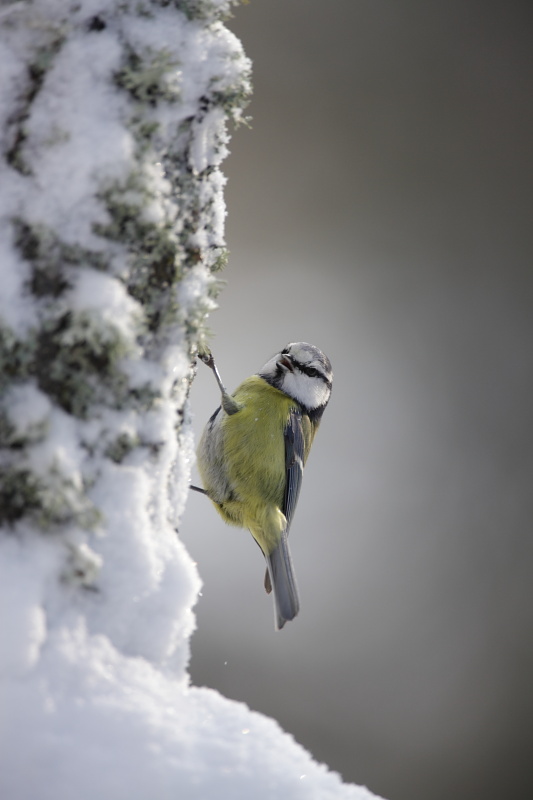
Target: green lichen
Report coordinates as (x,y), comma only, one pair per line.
(19,494)
(50,258)
(74,358)
(154,263)
(149,77)
(143,131)
(233,99)
(16,357)
(77,362)
(220,263)
(201,9)
(54,502)
(121,447)
(7,430)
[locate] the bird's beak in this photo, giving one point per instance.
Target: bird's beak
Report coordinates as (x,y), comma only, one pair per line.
(285,363)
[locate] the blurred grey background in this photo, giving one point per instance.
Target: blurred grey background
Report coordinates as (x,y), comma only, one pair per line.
(381,208)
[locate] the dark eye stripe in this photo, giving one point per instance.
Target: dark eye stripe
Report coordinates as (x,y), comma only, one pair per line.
(311,372)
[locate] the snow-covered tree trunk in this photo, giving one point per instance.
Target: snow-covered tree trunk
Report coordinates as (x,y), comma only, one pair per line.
(112,127)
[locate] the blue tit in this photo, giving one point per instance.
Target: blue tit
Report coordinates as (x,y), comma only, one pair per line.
(253,450)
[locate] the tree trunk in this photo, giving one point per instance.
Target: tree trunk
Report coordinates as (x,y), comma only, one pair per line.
(113,126)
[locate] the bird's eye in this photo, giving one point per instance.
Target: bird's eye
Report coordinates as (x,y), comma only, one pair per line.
(312,372)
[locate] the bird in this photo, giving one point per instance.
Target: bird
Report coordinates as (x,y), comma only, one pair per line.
(253,450)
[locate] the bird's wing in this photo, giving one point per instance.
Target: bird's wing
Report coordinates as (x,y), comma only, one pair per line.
(280,574)
(295,452)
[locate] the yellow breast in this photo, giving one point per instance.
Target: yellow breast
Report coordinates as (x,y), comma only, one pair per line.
(254,441)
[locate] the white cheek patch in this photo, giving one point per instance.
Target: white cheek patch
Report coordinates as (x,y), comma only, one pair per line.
(310,392)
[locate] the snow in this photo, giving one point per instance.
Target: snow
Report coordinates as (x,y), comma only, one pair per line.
(99,714)
(96,589)
(99,293)
(207,137)
(126,730)
(29,408)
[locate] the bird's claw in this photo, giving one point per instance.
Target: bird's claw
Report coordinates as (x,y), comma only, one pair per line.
(205,355)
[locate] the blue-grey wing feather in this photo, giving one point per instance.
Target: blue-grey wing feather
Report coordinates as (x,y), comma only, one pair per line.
(294,462)
(280,572)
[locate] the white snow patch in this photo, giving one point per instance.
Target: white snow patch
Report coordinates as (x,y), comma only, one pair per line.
(126,731)
(101,293)
(28,409)
(23,563)
(210,134)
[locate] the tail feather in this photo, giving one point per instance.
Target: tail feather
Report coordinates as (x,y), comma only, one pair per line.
(280,577)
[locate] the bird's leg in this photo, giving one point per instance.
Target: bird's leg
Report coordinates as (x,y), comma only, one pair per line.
(229,405)
(198,489)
